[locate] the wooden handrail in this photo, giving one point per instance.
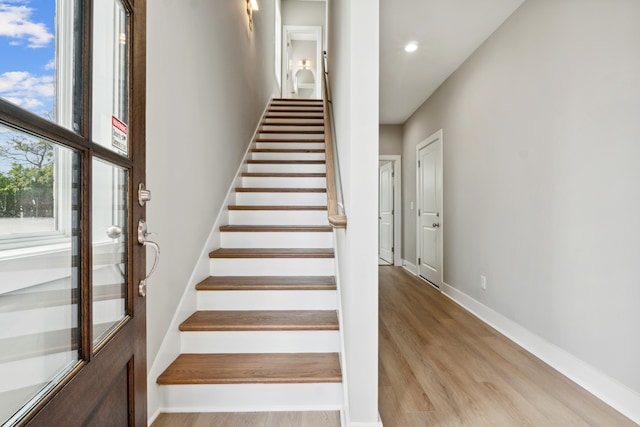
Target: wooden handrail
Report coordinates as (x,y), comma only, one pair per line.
(336,220)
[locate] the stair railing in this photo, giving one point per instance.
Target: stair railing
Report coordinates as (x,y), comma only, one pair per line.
(335,202)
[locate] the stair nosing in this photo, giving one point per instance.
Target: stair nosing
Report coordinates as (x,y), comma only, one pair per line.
(279,190)
(283,175)
(254,368)
(267,283)
(260,320)
(276,208)
(276,228)
(267,253)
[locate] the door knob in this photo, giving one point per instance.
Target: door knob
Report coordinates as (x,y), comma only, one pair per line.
(436,225)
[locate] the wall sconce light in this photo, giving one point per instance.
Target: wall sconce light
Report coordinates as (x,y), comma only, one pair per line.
(251,6)
(304,63)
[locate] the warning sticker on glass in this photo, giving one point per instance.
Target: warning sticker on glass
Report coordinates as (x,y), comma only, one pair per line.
(119,139)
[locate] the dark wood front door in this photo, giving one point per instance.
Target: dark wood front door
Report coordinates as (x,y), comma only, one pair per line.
(74,332)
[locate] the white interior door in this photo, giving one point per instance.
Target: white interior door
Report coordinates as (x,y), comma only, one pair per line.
(385,212)
(429,209)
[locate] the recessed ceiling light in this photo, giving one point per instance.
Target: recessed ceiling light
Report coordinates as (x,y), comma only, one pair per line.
(411,47)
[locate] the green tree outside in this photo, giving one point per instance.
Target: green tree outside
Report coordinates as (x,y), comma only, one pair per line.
(26,190)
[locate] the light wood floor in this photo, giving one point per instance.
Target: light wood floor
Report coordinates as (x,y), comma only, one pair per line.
(255,419)
(440,366)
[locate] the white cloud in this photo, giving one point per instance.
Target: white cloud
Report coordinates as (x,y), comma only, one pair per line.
(51,65)
(15,22)
(26,90)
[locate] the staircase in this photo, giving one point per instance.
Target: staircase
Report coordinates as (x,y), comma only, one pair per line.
(266,335)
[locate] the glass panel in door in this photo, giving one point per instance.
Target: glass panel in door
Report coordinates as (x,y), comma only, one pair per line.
(39,47)
(39,262)
(110,220)
(110,76)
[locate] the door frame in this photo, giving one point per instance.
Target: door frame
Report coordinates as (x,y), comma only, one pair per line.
(397,206)
(438,135)
(308,32)
(74,399)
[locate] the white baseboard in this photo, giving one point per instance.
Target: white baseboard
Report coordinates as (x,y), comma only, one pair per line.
(410,267)
(613,393)
(366,424)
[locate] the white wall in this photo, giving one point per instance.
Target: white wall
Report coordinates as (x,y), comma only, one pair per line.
(308,13)
(541,177)
(208,80)
(353,54)
(390,139)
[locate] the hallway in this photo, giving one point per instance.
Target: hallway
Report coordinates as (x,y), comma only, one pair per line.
(441,366)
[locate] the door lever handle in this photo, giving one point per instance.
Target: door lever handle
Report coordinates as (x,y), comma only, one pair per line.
(436,225)
(142,240)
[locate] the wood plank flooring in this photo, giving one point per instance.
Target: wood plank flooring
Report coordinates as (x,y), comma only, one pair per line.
(441,366)
(250,419)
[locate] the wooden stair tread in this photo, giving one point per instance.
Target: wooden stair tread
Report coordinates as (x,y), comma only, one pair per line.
(282,175)
(296,109)
(272,253)
(293,131)
(279,190)
(292,140)
(275,208)
(319,101)
(290,116)
(278,368)
(258,283)
(287,150)
(262,320)
(277,228)
(293,124)
(286,162)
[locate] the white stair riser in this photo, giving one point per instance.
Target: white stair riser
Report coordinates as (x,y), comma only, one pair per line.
(286,168)
(260,342)
(267,300)
(252,239)
(281,199)
(272,267)
(284,182)
(251,397)
(278,218)
(287,156)
(291,145)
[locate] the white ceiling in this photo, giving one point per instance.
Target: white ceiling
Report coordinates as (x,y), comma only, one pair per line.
(447,32)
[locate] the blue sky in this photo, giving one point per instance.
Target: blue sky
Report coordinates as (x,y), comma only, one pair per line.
(26,56)
(27,53)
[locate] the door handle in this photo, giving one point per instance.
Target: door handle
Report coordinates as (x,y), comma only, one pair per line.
(436,225)
(142,240)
